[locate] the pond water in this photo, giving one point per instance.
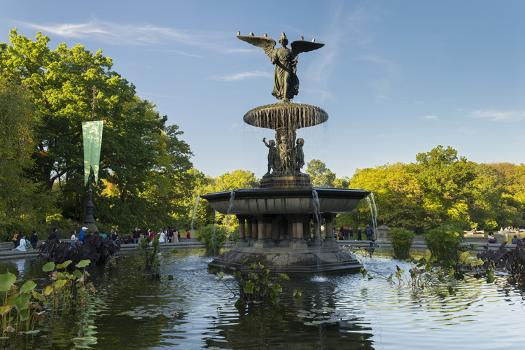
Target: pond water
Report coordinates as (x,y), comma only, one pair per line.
(196,310)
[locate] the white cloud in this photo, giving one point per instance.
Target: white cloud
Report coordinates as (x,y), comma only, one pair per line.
(430,117)
(243,76)
(499,116)
(142,34)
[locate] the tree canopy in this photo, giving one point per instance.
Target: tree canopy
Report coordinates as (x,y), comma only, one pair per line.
(144,162)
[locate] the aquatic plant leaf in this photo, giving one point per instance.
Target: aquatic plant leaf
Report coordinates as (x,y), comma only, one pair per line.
(248,287)
(60,284)
(37,296)
(24,314)
(64,265)
(4,309)
(48,290)
(284,277)
(27,287)
(6,281)
(21,302)
(48,267)
(83,263)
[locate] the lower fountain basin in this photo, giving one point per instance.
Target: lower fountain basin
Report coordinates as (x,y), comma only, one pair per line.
(262,201)
(291,258)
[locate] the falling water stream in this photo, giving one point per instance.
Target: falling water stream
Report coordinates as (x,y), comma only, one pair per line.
(317,215)
(232,201)
(370,199)
(194,214)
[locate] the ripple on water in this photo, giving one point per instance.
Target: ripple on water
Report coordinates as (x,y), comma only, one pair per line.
(196,310)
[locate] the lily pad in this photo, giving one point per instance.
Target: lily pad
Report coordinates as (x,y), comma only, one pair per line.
(83,263)
(60,283)
(21,302)
(48,290)
(6,281)
(64,265)
(48,267)
(27,287)
(4,309)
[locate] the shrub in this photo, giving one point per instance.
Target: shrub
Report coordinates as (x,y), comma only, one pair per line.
(213,237)
(443,243)
(401,242)
(258,285)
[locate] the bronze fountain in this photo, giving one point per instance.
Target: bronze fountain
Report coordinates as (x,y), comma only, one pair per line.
(280,223)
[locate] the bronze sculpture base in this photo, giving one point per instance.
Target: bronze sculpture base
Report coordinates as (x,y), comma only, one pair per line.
(286,181)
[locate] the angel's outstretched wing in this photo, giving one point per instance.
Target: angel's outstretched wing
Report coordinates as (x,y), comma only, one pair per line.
(264,42)
(299,46)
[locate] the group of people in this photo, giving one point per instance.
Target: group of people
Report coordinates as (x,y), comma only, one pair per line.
(348,233)
(83,233)
(166,235)
(21,243)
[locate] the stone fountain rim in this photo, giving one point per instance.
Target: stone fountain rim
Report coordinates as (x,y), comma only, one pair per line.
(258,193)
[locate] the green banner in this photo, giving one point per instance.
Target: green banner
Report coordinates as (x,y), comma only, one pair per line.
(92,136)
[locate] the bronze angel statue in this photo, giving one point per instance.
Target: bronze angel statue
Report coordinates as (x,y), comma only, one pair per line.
(286,83)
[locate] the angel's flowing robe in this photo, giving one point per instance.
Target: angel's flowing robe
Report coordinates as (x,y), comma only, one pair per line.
(286,83)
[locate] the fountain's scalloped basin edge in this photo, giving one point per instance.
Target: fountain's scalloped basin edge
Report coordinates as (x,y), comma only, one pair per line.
(261,201)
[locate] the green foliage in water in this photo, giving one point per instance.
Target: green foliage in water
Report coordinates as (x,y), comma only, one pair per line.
(24,305)
(401,242)
(257,285)
(150,254)
(213,237)
(444,245)
(511,261)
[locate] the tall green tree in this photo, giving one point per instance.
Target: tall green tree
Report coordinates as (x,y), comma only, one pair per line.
(20,204)
(397,193)
(320,175)
(226,182)
(66,85)
(446,181)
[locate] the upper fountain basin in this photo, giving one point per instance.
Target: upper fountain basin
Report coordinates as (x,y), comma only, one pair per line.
(286,115)
(261,201)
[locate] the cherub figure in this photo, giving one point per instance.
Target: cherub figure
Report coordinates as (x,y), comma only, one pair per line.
(299,155)
(273,157)
(285,154)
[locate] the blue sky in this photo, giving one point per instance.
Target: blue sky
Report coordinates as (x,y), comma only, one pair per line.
(396,77)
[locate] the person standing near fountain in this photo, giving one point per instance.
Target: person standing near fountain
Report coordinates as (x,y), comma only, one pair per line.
(369,233)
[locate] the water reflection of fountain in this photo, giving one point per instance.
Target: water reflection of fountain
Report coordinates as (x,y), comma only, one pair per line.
(314,321)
